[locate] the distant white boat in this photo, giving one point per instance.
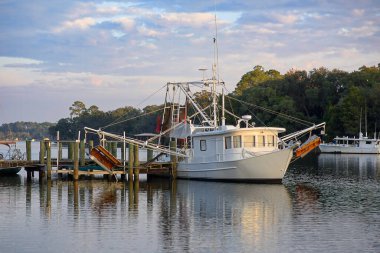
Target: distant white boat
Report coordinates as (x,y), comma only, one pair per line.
(352,145)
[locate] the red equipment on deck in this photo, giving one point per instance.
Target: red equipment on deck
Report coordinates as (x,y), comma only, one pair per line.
(104,158)
(308,146)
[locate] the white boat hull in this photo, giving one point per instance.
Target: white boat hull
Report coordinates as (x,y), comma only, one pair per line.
(331,148)
(269,167)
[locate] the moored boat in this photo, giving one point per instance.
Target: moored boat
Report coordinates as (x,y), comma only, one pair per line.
(205,147)
(352,145)
(6,158)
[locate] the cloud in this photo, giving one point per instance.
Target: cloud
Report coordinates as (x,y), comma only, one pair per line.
(367,30)
(126,23)
(358,12)
(81,24)
(94,50)
(187,19)
(286,18)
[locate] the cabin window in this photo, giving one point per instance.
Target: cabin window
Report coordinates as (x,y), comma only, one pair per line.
(227,142)
(261,141)
(237,141)
(203,145)
(250,141)
(270,139)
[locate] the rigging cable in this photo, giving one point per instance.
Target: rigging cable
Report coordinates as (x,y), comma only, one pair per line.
(116,121)
(300,121)
(138,116)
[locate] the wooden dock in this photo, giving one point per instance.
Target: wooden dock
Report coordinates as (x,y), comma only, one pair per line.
(76,165)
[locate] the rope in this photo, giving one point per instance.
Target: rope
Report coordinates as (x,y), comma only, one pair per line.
(138,116)
(300,121)
(116,121)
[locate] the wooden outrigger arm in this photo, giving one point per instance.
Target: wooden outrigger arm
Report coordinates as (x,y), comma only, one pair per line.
(128,140)
(301,132)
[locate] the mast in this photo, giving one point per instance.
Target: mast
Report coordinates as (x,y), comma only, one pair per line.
(215,75)
(214,96)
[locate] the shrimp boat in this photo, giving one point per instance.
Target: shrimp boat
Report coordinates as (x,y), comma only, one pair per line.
(207,148)
(195,133)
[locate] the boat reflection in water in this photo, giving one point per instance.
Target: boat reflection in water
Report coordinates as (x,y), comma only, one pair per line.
(234,214)
(359,166)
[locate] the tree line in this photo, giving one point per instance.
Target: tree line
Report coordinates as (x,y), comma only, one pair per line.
(339,98)
(25,130)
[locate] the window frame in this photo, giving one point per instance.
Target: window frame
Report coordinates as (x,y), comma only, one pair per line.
(203,145)
(236,141)
(228,142)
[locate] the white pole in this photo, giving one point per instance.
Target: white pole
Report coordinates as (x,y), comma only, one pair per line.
(223,114)
(57,149)
(124,155)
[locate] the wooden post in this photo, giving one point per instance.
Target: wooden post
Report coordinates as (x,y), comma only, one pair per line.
(136,163)
(109,146)
(82,153)
(76,160)
(42,152)
(130,161)
(48,158)
(123,159)
(59,157)
(70,150)
(173,147)
(28,150)
(173,159)
(114,149)
(90,147)
(149,155)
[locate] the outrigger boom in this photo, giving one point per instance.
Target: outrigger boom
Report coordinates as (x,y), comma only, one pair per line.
(145,144)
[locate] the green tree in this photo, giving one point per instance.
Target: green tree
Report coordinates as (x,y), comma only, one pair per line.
(77,109)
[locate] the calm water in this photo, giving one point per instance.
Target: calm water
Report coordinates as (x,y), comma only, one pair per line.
(327,203)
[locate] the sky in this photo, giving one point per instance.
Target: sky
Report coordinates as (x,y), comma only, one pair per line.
(118,53)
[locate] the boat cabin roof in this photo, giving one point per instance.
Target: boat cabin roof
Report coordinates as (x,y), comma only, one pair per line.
(229,129)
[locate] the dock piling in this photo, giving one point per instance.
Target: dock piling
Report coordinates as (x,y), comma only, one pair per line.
(70,150)
(130,161)
(136,163)
(76,160)
(48,158)
(28,144)
(82,153)
(173,159)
